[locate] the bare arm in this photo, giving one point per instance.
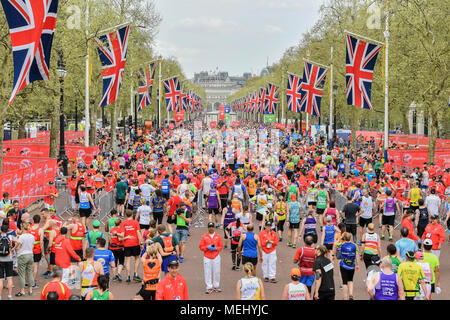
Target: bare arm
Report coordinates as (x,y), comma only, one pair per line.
(238,290)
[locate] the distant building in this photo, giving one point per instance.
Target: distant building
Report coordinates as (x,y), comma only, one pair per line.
(218,87)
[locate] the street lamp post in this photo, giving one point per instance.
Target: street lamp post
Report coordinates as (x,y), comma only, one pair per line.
(136,97)
(61,70)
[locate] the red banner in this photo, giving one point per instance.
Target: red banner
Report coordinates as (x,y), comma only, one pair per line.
(16,163)
(73,152)
(27,184)
(213,124)
(235,123)
(408,140)
(279,126)
(178,116)
(222,113)
(417,157)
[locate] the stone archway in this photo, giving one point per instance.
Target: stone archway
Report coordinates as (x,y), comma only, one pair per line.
(216,106)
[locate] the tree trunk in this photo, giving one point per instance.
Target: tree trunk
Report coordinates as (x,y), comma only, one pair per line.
(433,135)
(54,132)
(21,130)
(405,123)
(446,124)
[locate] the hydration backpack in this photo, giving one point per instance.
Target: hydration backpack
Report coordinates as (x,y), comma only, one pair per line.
(5,246)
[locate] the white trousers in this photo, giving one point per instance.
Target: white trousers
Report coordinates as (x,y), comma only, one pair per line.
(269,264)
(212,272)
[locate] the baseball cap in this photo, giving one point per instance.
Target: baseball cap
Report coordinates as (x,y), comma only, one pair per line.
(419,255)
(268,223)
(96,223)
(211,225)
(172,263)
(428,242)
(51,209)
(329,218)
(295,272)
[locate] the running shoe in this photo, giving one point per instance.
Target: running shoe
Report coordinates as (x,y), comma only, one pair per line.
(218,290)
(10,297)
(390,239)
(233,268)
(137,279)
(209,291)
(238,268)
(115,278)
(266,279)
(294,246)
(350,298)
(289,244)
(281,239)
(128,280)
(119,277)
(226,246)
(35,286)
(382,237)
(273,280)
(181,259)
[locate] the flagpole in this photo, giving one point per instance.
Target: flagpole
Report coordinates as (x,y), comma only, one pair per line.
(86,108)
(159,101)
(319,64)
(330,129)
(365,38)
(282,97)
(131,94)
(386,101)
(115,27)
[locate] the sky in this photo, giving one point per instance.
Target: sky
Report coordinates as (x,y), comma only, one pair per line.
(232,35)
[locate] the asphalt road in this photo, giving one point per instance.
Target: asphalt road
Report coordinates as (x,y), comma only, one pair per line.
(192,270)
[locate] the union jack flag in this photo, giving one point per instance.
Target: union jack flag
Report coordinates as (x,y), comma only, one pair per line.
(271,99)
(173,92)
(254,102)
(112,49)
(184,102)
(145,85)
(31,27)
(294,87)
(190,101)
(312,85)
(261,98)
(360,60)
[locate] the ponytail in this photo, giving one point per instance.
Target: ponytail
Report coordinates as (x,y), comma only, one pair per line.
(248,269)
(238,222)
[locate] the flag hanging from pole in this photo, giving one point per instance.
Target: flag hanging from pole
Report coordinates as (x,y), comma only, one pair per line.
(31,27)
(293,92)
(271,99)
(312,88)
(145,85)
(112,50)
(173,91)
(360,60)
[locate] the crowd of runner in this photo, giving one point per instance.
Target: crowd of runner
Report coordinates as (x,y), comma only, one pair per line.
(290,194)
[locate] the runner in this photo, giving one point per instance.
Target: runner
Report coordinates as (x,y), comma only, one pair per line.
(250,287)
(38,248)
(61,289)
(102,291)
(90,270)
(151,261)
(249,247)
(183,218)
(105,257)
(386,284)
(348,264)
(433,260)
(435,232)
(413,277)
(133,244)
(370,246)
(293,219)
(323,269)
(295,290)
(305,257)
(116,246)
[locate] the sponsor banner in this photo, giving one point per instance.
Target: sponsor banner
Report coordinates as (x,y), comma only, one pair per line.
(16,163)
(213,124)
(178,116)
(77,153)
(417,157)
(279,126)
(222,113)
(412,140)
(171,126)
(269,118)
(73,152)
(28,184)
(43,137)
(235,123)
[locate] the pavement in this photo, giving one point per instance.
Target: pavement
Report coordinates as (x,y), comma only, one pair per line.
(192,270)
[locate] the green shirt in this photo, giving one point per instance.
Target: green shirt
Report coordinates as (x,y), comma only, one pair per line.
(169,153)
(377,165)
(322,199)
(395,263)
(161,242)
(121,190)
(111,224)
(295,159)
(97,296)
(433,260)
(92,237)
